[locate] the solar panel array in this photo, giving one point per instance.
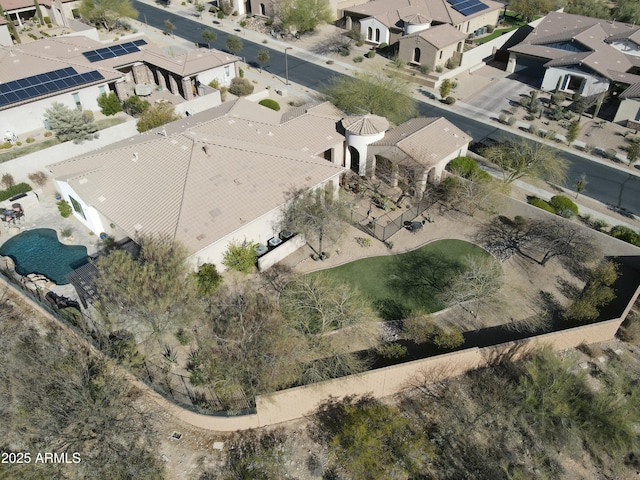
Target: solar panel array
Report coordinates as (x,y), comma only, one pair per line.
(43,84)
(467,7)
(114,51)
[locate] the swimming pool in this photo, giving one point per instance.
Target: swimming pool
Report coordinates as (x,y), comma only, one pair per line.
(39,251)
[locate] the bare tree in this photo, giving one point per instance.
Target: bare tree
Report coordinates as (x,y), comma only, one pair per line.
(527,158)
(315,214)
(477,286)
(560,238)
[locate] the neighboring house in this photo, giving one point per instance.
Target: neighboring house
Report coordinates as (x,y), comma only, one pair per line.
(391,21)
(224,175)
(414,153)
(56,11)
(628,111)
(76,70)
(432,47)
(577,54)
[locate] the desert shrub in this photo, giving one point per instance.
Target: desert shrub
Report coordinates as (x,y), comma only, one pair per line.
(344,52)
(557,98)
(214,84)
(502,118)
(5,145)
(371,54)
(358,59)
(240,87)
(564,206)
(269,103)
(64,208)
(451,63)
(511,121)
(450,100)
(538,202)
(48,133)
(467,167)
(439,68)
(38,178)
(135,105)
(7,180)
(611,154)
(490,28)
(109,104)
(383,45)
(18,144)
(360,43)
(425,69)
(625,234)
(14,190)
(240,257)
(533,130)
(449,338)
(30,140)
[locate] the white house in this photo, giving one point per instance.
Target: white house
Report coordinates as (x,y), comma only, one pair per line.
(75,70)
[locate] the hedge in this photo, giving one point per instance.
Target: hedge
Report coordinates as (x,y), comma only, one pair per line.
(16,189)
(467,167)
(269,103)
(625,234)
(564,206)
(538,202)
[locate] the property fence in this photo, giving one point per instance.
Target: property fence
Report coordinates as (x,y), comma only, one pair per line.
(383,227)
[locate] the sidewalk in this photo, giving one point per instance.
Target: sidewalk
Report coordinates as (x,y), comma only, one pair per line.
(301,49)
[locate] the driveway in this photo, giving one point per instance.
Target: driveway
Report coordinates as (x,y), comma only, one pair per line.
(498,94)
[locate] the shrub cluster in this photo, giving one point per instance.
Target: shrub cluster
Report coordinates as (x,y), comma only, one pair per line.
(450,100)
(538,202)
(14,190)
(564,206)
(626,234)
(269,103)
(240,87)
(467,168)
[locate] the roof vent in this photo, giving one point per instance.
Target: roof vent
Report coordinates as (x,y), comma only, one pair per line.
(135,157)
(205,149)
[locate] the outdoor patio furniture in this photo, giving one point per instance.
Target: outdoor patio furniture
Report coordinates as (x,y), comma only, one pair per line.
(415,227)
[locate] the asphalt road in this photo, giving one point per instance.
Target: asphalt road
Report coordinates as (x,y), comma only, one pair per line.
(608,185)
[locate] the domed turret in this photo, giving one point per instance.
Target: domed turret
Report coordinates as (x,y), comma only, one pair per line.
(360,131)
(415,23)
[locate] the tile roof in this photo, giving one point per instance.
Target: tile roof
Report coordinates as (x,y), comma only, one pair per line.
(632,92)
(426,140)
(439,36)
(201,184)
(392,13)
(365,124)
(593,34)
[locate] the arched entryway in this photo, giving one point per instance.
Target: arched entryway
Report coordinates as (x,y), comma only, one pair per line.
(416,55)
(355,159)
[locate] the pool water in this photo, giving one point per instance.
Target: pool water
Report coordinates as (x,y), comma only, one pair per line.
(39,251)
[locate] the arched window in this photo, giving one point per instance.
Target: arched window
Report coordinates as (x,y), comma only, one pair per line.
(460,46)
(416,55)
(263,9)
(377,35)
(369,33)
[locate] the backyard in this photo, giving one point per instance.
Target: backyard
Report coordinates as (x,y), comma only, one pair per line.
(399,284)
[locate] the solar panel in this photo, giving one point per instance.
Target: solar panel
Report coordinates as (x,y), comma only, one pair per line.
(467,7)
(114,51)
(44,83)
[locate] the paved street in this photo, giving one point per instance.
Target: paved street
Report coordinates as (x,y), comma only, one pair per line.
(607,184)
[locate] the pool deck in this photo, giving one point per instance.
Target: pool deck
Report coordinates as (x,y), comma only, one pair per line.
(41,211)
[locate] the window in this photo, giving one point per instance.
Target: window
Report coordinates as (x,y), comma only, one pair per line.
(102,90)
(76,99)
(575,83)
(77,207)
(227,72)
(377,35)
(468,27)
(369,33)
(440,57)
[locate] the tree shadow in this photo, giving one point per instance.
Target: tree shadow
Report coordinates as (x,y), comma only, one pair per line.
(568,289)
(420,276)
(392,309)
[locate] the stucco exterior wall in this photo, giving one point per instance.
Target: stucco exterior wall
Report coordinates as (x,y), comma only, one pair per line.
(5,36)
(629,109)
(301,401)
(223,74)
(374,25)
(92,219)
(470,26)
(30,117)
(594,84)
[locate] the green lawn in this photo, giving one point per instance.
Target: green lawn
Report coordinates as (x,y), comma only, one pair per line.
(398,284)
